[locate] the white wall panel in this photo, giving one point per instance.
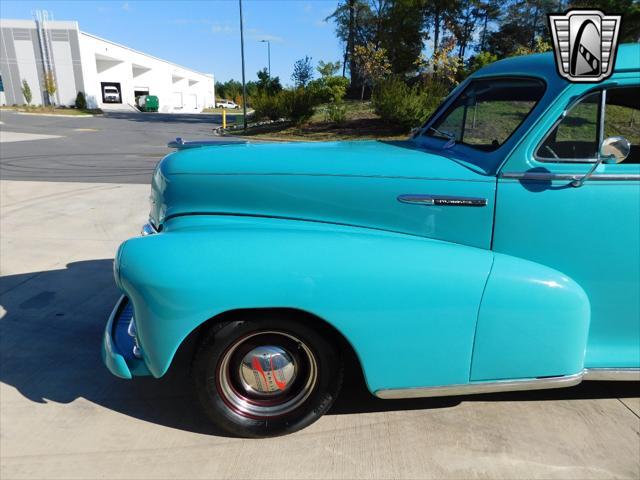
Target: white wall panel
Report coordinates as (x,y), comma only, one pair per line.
(65,81)
(27,67)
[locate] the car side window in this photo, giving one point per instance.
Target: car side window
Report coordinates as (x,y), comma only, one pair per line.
(576,136)
(622,118)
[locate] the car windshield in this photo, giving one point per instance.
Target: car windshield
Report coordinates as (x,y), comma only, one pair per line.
(487,113)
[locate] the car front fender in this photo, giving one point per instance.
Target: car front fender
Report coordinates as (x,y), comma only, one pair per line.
(407,305)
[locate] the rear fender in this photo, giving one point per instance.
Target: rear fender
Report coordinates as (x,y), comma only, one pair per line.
(407,305)
(533,322)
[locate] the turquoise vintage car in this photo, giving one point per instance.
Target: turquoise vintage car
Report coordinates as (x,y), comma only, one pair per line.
(497,249)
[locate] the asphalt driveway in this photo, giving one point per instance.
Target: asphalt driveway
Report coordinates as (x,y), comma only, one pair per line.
(117,147)
(65,205)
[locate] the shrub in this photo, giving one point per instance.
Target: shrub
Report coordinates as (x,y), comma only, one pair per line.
(81,101)
(300,104)
(268,106)
(297,105)
(409,107)
(336,112)
(328,89)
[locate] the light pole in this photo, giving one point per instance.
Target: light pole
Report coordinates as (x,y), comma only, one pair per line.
(244,85)
(268,55)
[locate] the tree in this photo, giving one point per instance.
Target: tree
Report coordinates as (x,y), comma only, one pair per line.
(372,63)
(443,66)
(480,60)
(328,69)
(489,11)
(302,72)
(398,29)
(50,86)
(26,92)
(267,84)
(354,26)
(523,23)
(436,13)
(463,19)
(540,47)
(228,90)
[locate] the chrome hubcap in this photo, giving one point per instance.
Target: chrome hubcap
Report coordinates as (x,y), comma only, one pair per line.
(266,374)
(267,370)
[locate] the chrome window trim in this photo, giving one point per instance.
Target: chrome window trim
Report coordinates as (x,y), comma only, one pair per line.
(544,176)
(482,387)
(565,112)
(439,112)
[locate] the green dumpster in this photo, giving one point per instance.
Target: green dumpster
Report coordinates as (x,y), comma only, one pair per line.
(148,103)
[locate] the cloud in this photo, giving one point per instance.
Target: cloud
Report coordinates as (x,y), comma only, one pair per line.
(257,34)
(126,7)
(218,28)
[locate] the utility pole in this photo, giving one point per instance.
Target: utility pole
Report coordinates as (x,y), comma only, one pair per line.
(268,55)
(244,85)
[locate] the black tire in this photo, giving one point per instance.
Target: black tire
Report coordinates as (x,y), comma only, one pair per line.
(227,399)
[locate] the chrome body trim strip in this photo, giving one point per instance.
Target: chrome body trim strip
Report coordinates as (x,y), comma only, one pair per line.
(482,387)
(181,144)
(442,200)
(613,374)
(543,176)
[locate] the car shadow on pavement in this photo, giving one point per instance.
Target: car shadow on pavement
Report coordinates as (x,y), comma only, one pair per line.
(51,326)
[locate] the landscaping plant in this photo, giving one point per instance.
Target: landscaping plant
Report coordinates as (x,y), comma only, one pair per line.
(50,87)
(26,92)
(81,101)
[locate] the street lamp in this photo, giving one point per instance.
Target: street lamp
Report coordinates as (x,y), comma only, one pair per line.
(268,55)
(244,86)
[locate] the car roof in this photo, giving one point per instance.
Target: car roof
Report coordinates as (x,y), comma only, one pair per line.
(543,64)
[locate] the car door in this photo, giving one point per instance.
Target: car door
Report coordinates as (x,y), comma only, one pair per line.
(590,232)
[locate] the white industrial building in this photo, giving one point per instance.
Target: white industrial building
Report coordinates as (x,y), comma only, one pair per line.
(83,62)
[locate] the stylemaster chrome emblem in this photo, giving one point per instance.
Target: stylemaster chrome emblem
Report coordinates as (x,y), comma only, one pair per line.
(585,44)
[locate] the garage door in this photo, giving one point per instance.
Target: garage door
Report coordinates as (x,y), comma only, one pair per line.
(191,101)
(177,99)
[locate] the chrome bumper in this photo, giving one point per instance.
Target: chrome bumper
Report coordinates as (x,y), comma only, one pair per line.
(118,345)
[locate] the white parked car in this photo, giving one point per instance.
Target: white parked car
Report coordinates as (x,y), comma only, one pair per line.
(111,95)
(226,104)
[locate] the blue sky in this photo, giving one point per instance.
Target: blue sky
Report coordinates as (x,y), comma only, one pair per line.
(204,35)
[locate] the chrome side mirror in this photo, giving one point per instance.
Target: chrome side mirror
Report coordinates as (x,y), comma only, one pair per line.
(612,150)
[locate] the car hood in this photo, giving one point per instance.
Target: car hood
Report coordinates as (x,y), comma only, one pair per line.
(354,183)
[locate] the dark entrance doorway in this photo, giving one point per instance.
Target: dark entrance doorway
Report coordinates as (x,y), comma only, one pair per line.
(111,92)
(139,91)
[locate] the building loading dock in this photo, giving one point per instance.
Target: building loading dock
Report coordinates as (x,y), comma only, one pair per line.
(83,62)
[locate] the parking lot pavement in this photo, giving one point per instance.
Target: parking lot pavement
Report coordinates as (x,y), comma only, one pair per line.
(117,147)
(64,416)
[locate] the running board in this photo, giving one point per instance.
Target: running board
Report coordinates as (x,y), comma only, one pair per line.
(613,374)
(631,374)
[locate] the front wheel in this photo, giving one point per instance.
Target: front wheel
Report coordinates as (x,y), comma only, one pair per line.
(266,375)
